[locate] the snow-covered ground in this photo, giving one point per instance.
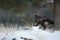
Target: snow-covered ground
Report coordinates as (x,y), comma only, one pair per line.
(33,34)
(2,35)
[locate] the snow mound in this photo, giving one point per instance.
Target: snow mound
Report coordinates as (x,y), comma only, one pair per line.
(33,34)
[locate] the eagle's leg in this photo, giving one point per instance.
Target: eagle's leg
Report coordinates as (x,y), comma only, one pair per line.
(44,26)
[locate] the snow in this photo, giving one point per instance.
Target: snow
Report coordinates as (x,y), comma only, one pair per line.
(34,34)
(2,35)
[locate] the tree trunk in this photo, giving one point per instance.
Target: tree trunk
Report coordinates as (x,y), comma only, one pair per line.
(57,15)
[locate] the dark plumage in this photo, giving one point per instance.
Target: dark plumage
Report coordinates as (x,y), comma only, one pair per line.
(41,20)
(50,21)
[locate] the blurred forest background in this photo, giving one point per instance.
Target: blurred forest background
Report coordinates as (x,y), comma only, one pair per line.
(21,12)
